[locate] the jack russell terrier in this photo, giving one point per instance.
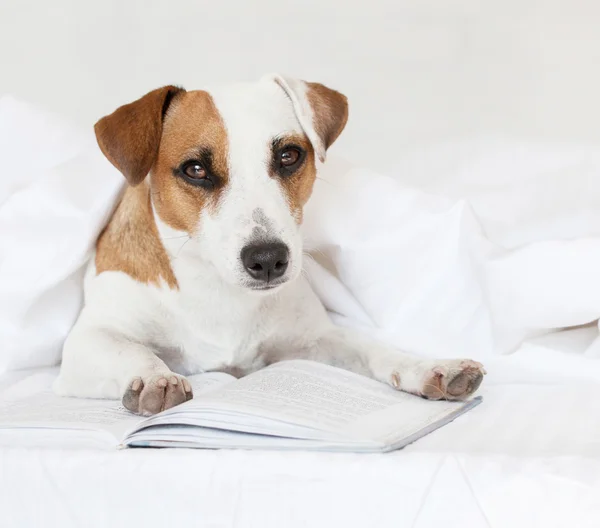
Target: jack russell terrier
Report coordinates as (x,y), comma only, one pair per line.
(199,268)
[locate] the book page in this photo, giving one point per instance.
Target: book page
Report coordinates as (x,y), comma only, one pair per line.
(43,409)
(315,396)
(32,404)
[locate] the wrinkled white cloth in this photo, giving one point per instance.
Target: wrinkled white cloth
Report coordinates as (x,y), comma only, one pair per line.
(469,248)
(539,204)
(466,251)
(56,193)
(410,261)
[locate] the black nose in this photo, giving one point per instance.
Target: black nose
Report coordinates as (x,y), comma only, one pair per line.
(265,262)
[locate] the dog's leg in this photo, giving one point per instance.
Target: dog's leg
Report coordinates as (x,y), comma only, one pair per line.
(101,363)
(452,379)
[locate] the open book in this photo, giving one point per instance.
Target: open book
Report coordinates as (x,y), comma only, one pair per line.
(290,405)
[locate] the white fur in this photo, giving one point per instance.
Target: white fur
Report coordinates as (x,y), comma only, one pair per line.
(253,114)
(215,320)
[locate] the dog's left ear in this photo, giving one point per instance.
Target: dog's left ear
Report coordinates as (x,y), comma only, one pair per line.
(321,111)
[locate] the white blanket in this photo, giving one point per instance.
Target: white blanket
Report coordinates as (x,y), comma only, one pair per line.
(470,247)
(527,457)
(56,191)
(466,251)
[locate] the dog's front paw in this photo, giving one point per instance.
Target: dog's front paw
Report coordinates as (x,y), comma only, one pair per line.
(152,394)
(454,379)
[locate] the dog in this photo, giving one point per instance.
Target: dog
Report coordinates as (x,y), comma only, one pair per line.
(199,267)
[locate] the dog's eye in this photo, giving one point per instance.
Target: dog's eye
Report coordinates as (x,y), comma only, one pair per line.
(194,170)
(195,173)
(289,157)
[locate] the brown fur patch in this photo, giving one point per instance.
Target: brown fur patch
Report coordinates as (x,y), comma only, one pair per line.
(130,242)
(330,109)
(192,123)
(298,186)
(152,135)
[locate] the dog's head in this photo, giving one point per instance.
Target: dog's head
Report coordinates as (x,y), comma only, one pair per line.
(231,167)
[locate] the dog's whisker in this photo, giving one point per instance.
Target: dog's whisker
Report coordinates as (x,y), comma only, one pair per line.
(326,181)
(182,246)
(320,252)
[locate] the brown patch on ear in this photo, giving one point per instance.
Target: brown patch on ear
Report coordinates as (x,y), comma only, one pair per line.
(130,136)
(298,186)
(130,242)
(193,125)
(330,112)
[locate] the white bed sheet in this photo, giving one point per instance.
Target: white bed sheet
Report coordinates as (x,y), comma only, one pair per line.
(528,456)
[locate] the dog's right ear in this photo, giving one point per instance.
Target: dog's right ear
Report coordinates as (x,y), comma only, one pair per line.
(130,136)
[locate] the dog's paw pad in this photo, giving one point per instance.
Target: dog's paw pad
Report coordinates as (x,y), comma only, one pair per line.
(453,380)
(153,394)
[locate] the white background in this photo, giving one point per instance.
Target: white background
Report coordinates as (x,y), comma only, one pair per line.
(415,70)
